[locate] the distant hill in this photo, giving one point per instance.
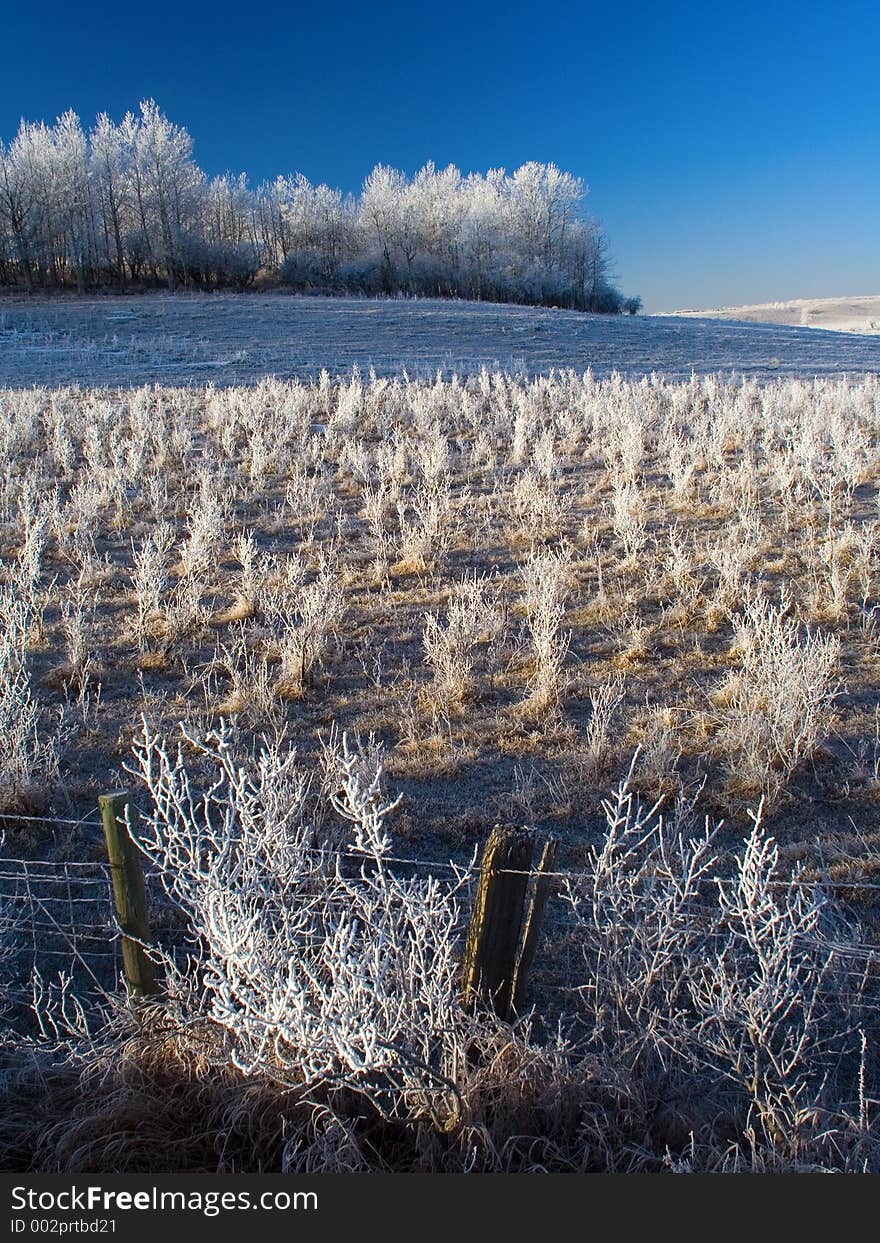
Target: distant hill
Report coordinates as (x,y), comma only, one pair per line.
(836,314)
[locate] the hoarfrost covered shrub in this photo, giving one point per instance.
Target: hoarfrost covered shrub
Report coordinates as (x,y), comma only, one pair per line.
(28,757)
(638,918)
(207,518)
(150,578)
(778,1007)
(451,650)
(424,530)
(545,577)
(27,571)
(776,707)
(537,505)
(250,685)
(628,509)
(727,996)
(323,967)
(598,745)
(306,623)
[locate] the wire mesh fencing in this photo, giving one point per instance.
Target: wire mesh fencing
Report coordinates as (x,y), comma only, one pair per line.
(58,919)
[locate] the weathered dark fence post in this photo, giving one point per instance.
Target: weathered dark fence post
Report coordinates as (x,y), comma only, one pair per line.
(494,936)
(128,894)
(534,914)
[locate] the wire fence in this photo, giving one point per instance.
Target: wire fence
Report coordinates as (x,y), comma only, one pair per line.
(823,876)
(58,918)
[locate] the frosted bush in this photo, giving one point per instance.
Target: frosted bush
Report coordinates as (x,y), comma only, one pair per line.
(451,649)
(703,983)
(322,967)
(304,626)
(545,578)
(28,756)
(423,518)
(777,705)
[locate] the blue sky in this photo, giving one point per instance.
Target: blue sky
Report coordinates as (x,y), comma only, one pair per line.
(732,152)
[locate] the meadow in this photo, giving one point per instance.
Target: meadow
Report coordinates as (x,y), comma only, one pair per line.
(369,616)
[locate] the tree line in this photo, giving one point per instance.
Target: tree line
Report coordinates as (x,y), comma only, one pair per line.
(127,205)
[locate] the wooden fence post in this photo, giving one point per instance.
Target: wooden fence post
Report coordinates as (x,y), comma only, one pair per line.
(128,894)
(534,914)
(494,935)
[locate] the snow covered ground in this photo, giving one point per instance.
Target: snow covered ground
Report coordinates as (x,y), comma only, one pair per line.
(837,314)
(235,339)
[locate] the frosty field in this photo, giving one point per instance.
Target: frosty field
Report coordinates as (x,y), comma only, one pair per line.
(330,630)
(227,339)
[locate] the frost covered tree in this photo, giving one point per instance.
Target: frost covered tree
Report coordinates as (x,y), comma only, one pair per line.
(17,212)
(127,203)
(169,188)
(110,169)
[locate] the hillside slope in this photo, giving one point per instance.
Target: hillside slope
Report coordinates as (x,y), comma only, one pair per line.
(860,314)
(227,339)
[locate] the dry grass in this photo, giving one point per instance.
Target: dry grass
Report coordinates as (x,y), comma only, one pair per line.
(457,566)
(510,585)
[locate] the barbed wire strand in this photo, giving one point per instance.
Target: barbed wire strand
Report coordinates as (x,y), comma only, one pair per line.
(16,818)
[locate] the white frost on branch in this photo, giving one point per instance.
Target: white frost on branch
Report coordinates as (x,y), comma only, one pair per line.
(320,963)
